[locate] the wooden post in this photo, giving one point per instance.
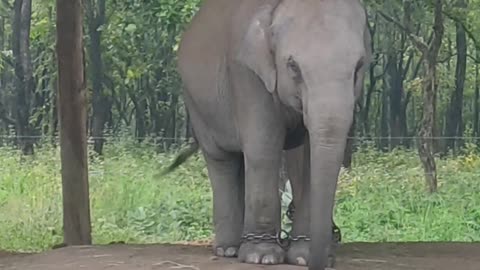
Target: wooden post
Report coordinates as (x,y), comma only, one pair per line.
(72,119)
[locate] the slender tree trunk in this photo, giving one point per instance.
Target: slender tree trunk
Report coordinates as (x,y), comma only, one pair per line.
(425,146)
(24,81)
(3,110)
(454,125)
(2,42)
(73,129)
(373,82)
(171,131)
(140,107)
(403,120)
(368,103)
(384,121)
(397,69)
(476,105)
(348,154)
(54,115)
(101,102)
(187,126)
(155,114)
(396,98)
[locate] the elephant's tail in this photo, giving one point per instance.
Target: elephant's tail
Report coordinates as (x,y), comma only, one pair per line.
(183,156)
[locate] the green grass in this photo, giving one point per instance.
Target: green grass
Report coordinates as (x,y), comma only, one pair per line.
(383,198)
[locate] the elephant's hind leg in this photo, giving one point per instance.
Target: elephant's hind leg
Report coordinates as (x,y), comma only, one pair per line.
(227,179)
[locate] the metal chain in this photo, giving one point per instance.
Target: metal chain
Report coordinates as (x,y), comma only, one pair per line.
(336,232)
(290,211)
(285,242)
(260,237)
(275,238)
(300,238)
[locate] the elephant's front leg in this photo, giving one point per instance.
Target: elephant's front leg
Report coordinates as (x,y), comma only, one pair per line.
(298,170)
(262,205)
(226,176)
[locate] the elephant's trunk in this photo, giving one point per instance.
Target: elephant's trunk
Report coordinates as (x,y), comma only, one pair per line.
(328,120)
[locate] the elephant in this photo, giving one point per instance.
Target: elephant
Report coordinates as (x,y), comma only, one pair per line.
(260,77)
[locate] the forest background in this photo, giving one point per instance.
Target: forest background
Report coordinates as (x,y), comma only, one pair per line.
(412,164)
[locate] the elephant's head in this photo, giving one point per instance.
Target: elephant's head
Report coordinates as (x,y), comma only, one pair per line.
(312,54)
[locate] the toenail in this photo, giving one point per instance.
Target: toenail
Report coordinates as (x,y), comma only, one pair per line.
(301,261)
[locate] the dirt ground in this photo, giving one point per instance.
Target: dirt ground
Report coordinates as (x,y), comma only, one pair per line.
(360,256)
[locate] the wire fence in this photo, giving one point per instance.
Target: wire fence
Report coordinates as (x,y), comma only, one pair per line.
(184,138)
(167,144)
(174,142)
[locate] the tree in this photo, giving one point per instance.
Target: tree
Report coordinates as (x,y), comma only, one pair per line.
(476,101)
(134,87)
(24,81)
(72,115)
(430,59)
(101,101)
(454,125)
(430,56)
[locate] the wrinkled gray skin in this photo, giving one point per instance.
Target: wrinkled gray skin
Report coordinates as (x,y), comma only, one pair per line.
(261,76)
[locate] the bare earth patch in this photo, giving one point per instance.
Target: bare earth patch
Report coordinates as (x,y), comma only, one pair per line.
(358,256)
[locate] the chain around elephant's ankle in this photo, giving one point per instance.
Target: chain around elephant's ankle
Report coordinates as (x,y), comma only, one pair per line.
(336,233)
(268,238)
(290,211)
(300,238)
(252,237)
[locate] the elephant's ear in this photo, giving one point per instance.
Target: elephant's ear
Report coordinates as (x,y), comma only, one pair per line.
(255,51)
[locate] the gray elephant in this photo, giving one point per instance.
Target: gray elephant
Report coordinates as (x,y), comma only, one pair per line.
(260,77)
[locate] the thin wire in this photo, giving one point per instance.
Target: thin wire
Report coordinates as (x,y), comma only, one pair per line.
(90,137)
(184,138)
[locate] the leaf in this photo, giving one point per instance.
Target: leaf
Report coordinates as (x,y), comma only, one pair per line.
(131,28)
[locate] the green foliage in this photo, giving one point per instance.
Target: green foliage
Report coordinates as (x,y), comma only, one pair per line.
(382,198)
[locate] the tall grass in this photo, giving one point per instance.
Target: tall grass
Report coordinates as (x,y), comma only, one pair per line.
(383,198)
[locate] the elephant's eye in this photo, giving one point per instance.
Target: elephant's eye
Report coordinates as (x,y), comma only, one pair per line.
(293,66)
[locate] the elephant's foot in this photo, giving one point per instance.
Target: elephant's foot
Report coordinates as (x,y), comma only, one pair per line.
(299,253)
(225,251)
(226,244)
(299,250)
(261,253)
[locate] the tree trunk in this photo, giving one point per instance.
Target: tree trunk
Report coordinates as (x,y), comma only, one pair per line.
(454,125)
(348,154)
(4,117)
(425,146)
(187,126)
(396,98)
(73,129)
(373,82)
(24,81)
(403,120)
(384,121)
(140,107)
(172,127)
(2,42)
(476,105)
(101,103)
(397,69)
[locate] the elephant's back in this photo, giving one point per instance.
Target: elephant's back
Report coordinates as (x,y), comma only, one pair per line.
(202,65)
(204,38)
